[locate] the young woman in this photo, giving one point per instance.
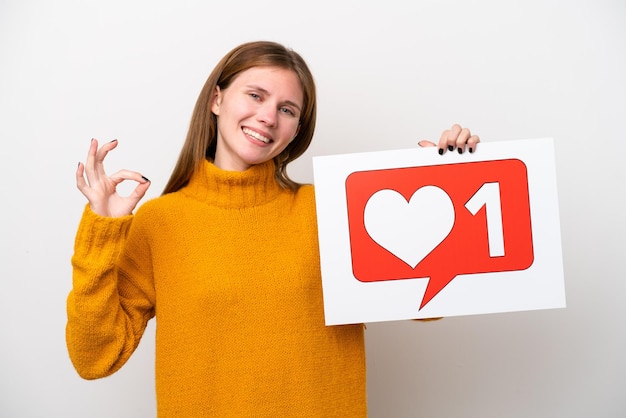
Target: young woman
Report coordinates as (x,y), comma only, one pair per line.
(226,259)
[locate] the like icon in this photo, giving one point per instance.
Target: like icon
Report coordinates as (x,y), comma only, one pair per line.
(438,222)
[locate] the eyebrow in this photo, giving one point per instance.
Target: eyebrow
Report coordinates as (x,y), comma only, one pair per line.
(264,91)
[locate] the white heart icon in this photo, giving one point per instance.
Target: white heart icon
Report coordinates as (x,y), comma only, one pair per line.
(409,230)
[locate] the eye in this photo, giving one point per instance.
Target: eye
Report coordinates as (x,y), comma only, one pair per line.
(287,111)
(255,96)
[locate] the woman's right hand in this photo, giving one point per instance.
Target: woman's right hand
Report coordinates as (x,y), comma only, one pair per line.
(101,190)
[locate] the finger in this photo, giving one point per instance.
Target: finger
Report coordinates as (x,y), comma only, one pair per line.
(104,150)
(90,164)
(131,201)
(139,191)
(462,139)
(123,175)
(95,160)
(101,155)
(453,134)
(80,178)
(472,142)
(91,156)
(82,184)
(443,142)
(447,141)
(426,143)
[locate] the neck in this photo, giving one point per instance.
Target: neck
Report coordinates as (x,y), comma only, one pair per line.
(235,189)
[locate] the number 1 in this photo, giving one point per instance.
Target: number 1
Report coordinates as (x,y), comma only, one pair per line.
(489,196)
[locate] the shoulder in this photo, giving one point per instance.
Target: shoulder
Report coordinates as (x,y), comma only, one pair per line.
(163,206)
(306,190)
(305,195)
(302,203)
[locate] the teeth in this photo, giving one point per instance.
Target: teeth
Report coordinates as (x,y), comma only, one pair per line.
(256,135)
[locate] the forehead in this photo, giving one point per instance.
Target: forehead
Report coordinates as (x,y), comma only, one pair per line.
(273,80)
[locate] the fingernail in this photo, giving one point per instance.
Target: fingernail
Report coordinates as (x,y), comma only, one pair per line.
(145,178)
(450,148)
(460,150)
(115,140)
(440,151)
(471,150)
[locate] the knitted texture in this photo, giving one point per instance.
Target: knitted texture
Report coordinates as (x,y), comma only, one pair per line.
(230,267)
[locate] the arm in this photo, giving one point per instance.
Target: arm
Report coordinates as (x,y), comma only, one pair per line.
(107,308)
(107,312)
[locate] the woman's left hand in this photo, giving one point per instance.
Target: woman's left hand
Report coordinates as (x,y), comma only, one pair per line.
(456,137)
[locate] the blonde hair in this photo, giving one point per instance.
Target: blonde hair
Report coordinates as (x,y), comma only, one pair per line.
(202,135)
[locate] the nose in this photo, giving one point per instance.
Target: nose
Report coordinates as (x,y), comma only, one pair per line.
(267,114)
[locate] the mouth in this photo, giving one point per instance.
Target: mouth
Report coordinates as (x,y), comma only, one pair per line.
(256,135)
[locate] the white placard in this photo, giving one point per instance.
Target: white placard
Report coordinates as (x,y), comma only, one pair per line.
(410,234)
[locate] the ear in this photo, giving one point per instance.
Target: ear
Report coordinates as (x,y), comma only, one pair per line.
(216,101)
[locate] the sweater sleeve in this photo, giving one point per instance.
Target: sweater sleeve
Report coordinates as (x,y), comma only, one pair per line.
(107,311)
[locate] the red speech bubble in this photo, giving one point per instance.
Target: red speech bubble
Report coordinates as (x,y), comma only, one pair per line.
(439,222)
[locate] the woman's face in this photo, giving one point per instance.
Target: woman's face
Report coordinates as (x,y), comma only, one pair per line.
(258,115)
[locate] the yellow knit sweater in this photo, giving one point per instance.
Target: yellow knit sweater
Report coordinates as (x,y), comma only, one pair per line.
(229,265)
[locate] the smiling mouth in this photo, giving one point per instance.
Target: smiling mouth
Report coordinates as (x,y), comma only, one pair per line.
(256,136)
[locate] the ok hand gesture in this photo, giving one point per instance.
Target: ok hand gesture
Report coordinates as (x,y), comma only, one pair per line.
(101,190)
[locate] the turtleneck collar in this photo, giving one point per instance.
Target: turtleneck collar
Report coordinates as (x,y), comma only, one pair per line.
(233,189)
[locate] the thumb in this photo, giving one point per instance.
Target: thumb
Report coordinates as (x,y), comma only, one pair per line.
(140,190)
(426,143)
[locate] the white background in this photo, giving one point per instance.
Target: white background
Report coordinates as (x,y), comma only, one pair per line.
(389,74)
